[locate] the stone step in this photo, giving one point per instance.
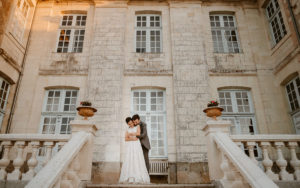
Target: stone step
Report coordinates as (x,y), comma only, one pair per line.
(150,186)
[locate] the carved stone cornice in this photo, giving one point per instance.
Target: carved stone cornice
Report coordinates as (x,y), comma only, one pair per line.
(9,60)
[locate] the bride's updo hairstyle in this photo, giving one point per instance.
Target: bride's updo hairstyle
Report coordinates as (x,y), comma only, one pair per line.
(128,119)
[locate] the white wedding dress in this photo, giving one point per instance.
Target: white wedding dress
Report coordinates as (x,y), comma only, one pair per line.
(134,168)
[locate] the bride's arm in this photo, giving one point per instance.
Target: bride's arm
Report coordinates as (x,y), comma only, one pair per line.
(128,138)
(137,133)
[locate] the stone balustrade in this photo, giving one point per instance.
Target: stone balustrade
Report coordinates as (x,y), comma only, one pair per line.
(227,162)
(73,163)
(68,167)
(21,151)
(277,150)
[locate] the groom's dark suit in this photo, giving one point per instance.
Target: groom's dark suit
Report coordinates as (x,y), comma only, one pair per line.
(145,143)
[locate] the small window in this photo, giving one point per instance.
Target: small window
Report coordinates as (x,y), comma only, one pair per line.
(4,91)
(275,20)
(148,33)
(59,109)
(71,34)
(224,34)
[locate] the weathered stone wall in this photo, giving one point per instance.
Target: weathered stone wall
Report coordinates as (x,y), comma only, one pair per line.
(105,89)
(41,70)
(243,62)
(11,51)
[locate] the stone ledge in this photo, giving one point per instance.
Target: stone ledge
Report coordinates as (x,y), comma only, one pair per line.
(13,183)
(150,185)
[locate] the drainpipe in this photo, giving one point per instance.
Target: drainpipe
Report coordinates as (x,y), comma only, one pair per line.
(294,21)
(18,84)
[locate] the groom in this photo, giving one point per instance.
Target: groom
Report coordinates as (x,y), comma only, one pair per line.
(143,138)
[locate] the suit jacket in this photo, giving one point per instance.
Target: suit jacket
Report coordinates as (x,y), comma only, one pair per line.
(144,136)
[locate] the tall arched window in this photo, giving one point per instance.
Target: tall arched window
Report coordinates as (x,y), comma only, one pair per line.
(238,108)
(58,110)
(293,94)
(150,105)
(275,19)
(4,91)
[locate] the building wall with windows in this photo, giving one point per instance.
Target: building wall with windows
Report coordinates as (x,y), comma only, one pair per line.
(164,60)
(15,22)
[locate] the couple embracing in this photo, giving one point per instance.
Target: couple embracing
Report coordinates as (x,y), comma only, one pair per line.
(135,167)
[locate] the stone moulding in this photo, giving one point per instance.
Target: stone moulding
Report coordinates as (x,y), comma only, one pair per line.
(9,60)
(83,72)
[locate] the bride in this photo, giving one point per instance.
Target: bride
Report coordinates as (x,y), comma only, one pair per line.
(134,167)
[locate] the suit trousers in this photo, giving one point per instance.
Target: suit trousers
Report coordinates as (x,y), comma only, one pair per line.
(146,151)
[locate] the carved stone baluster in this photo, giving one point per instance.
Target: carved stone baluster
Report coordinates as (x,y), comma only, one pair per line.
(267,162)
(57,183)
(250,147)
(239,181)
(295,162)
(73,172)
(76,163)
(48,146)
(60,145)
(228,178)
(5,160)
(225,167)
(18,162)
(239,144)
(65,182)
(32,162)
(281,163)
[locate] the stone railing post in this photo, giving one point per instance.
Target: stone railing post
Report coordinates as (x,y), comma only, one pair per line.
(214,155)
(86,154)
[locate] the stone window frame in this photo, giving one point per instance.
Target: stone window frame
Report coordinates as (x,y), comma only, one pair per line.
(70,37)
(222,46)
(294,104)
(4,92)
(235,117)
(148,30)
(273,14)
(20,17)
(292,90)
(145,116)
(59,114)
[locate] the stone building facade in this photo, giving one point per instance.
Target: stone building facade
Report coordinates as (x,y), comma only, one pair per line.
(162,59)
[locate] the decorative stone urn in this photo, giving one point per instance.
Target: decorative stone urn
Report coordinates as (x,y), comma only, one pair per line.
(213,110)
(86,110)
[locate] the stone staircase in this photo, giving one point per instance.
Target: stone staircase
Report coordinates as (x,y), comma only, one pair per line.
(150,186)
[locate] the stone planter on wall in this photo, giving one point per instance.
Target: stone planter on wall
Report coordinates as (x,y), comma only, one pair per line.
(213,112)
(86,111)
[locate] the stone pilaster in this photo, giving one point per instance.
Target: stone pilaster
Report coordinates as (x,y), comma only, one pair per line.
(190,91)
(105,89)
